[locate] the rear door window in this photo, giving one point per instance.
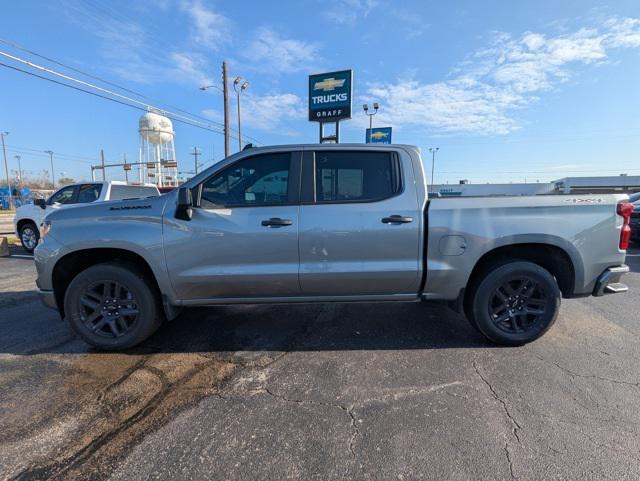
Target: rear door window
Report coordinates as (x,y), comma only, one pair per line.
(351,176)
(121,192)
(89,193)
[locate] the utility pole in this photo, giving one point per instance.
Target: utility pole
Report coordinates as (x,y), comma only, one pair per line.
(126,172)
(53,175)
(433,151)
(225,94)
(6,168)
(19,158)
(104,175)
(195,154)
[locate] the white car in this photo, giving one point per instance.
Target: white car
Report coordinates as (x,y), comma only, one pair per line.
(30,216)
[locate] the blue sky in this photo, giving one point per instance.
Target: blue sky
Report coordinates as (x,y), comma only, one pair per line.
(507,90)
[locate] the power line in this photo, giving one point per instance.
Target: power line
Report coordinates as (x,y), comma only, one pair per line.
(190,122)
(40,153)
(87,84)
(57,62)
(100,79)
(125,100)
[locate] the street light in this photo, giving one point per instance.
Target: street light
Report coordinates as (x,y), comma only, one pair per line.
(18,158)
(239,88)
(53,175)
(433,151)
(365,107)
(207,87)
(225,104)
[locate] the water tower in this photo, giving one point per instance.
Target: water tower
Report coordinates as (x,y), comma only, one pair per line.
(157,153)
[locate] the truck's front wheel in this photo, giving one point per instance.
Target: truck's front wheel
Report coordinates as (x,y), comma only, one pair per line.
(112,306)
(516,303)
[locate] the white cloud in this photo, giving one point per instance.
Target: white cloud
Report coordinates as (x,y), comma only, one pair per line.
(268,112)
(624,32)
(412,24)
(272,53)
(348,11)
(210,29)
(190,68)
(485,91)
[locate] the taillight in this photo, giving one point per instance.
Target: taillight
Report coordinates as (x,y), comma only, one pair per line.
(625,209)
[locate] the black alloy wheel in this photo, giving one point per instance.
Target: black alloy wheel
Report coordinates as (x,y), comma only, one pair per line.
(516,302)
(518,305)
(113,306)
(108,308)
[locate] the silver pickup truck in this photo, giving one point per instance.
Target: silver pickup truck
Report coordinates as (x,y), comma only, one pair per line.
(327,223)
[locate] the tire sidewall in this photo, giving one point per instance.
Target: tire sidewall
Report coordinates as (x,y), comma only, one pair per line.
(148,319)
(499,276)
(30,225)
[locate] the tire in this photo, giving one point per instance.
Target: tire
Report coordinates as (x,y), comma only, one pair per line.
(95,298)
(515,303)
(29,236)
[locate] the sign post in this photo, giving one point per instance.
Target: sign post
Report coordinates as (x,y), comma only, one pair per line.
(378,135)
(330,97)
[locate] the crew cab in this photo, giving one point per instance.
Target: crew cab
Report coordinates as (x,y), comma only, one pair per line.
(328,223)
(29,216)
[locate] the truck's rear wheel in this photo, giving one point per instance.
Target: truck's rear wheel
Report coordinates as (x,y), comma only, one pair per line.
(29,236)
(112,306)
(515,303)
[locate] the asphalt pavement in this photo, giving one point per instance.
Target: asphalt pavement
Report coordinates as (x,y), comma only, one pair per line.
(349,391)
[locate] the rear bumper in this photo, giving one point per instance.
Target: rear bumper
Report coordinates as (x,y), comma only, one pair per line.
(48,298)
(609,281)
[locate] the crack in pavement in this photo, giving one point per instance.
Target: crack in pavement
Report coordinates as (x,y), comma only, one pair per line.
(355,432)
(508,454)
(572,373)
(515,426)
(348,409)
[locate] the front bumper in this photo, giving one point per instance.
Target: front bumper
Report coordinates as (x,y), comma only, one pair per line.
(609,281)
(48,298)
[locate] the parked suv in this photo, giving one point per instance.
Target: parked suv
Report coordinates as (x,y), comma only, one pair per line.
(30,216)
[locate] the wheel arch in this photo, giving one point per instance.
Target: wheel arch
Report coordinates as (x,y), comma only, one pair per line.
(22,222)
(551,257)
(71,264)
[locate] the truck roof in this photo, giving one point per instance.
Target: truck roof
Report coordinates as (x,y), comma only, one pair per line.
(111,182)
(327,145)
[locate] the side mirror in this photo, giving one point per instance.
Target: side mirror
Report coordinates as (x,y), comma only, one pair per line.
(40,203)
(184,204)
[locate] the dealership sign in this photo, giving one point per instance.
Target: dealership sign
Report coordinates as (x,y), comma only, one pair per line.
(379,135)
(330,96)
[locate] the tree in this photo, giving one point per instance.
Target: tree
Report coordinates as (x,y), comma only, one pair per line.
(66,181)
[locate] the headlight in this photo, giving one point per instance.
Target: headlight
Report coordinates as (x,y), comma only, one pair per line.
(45,227)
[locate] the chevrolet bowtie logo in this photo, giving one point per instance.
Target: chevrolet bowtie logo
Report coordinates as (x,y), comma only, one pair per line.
(329,84)
(379,135)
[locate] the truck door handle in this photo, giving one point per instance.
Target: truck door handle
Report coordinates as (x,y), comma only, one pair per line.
(276,222)
(397,219)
